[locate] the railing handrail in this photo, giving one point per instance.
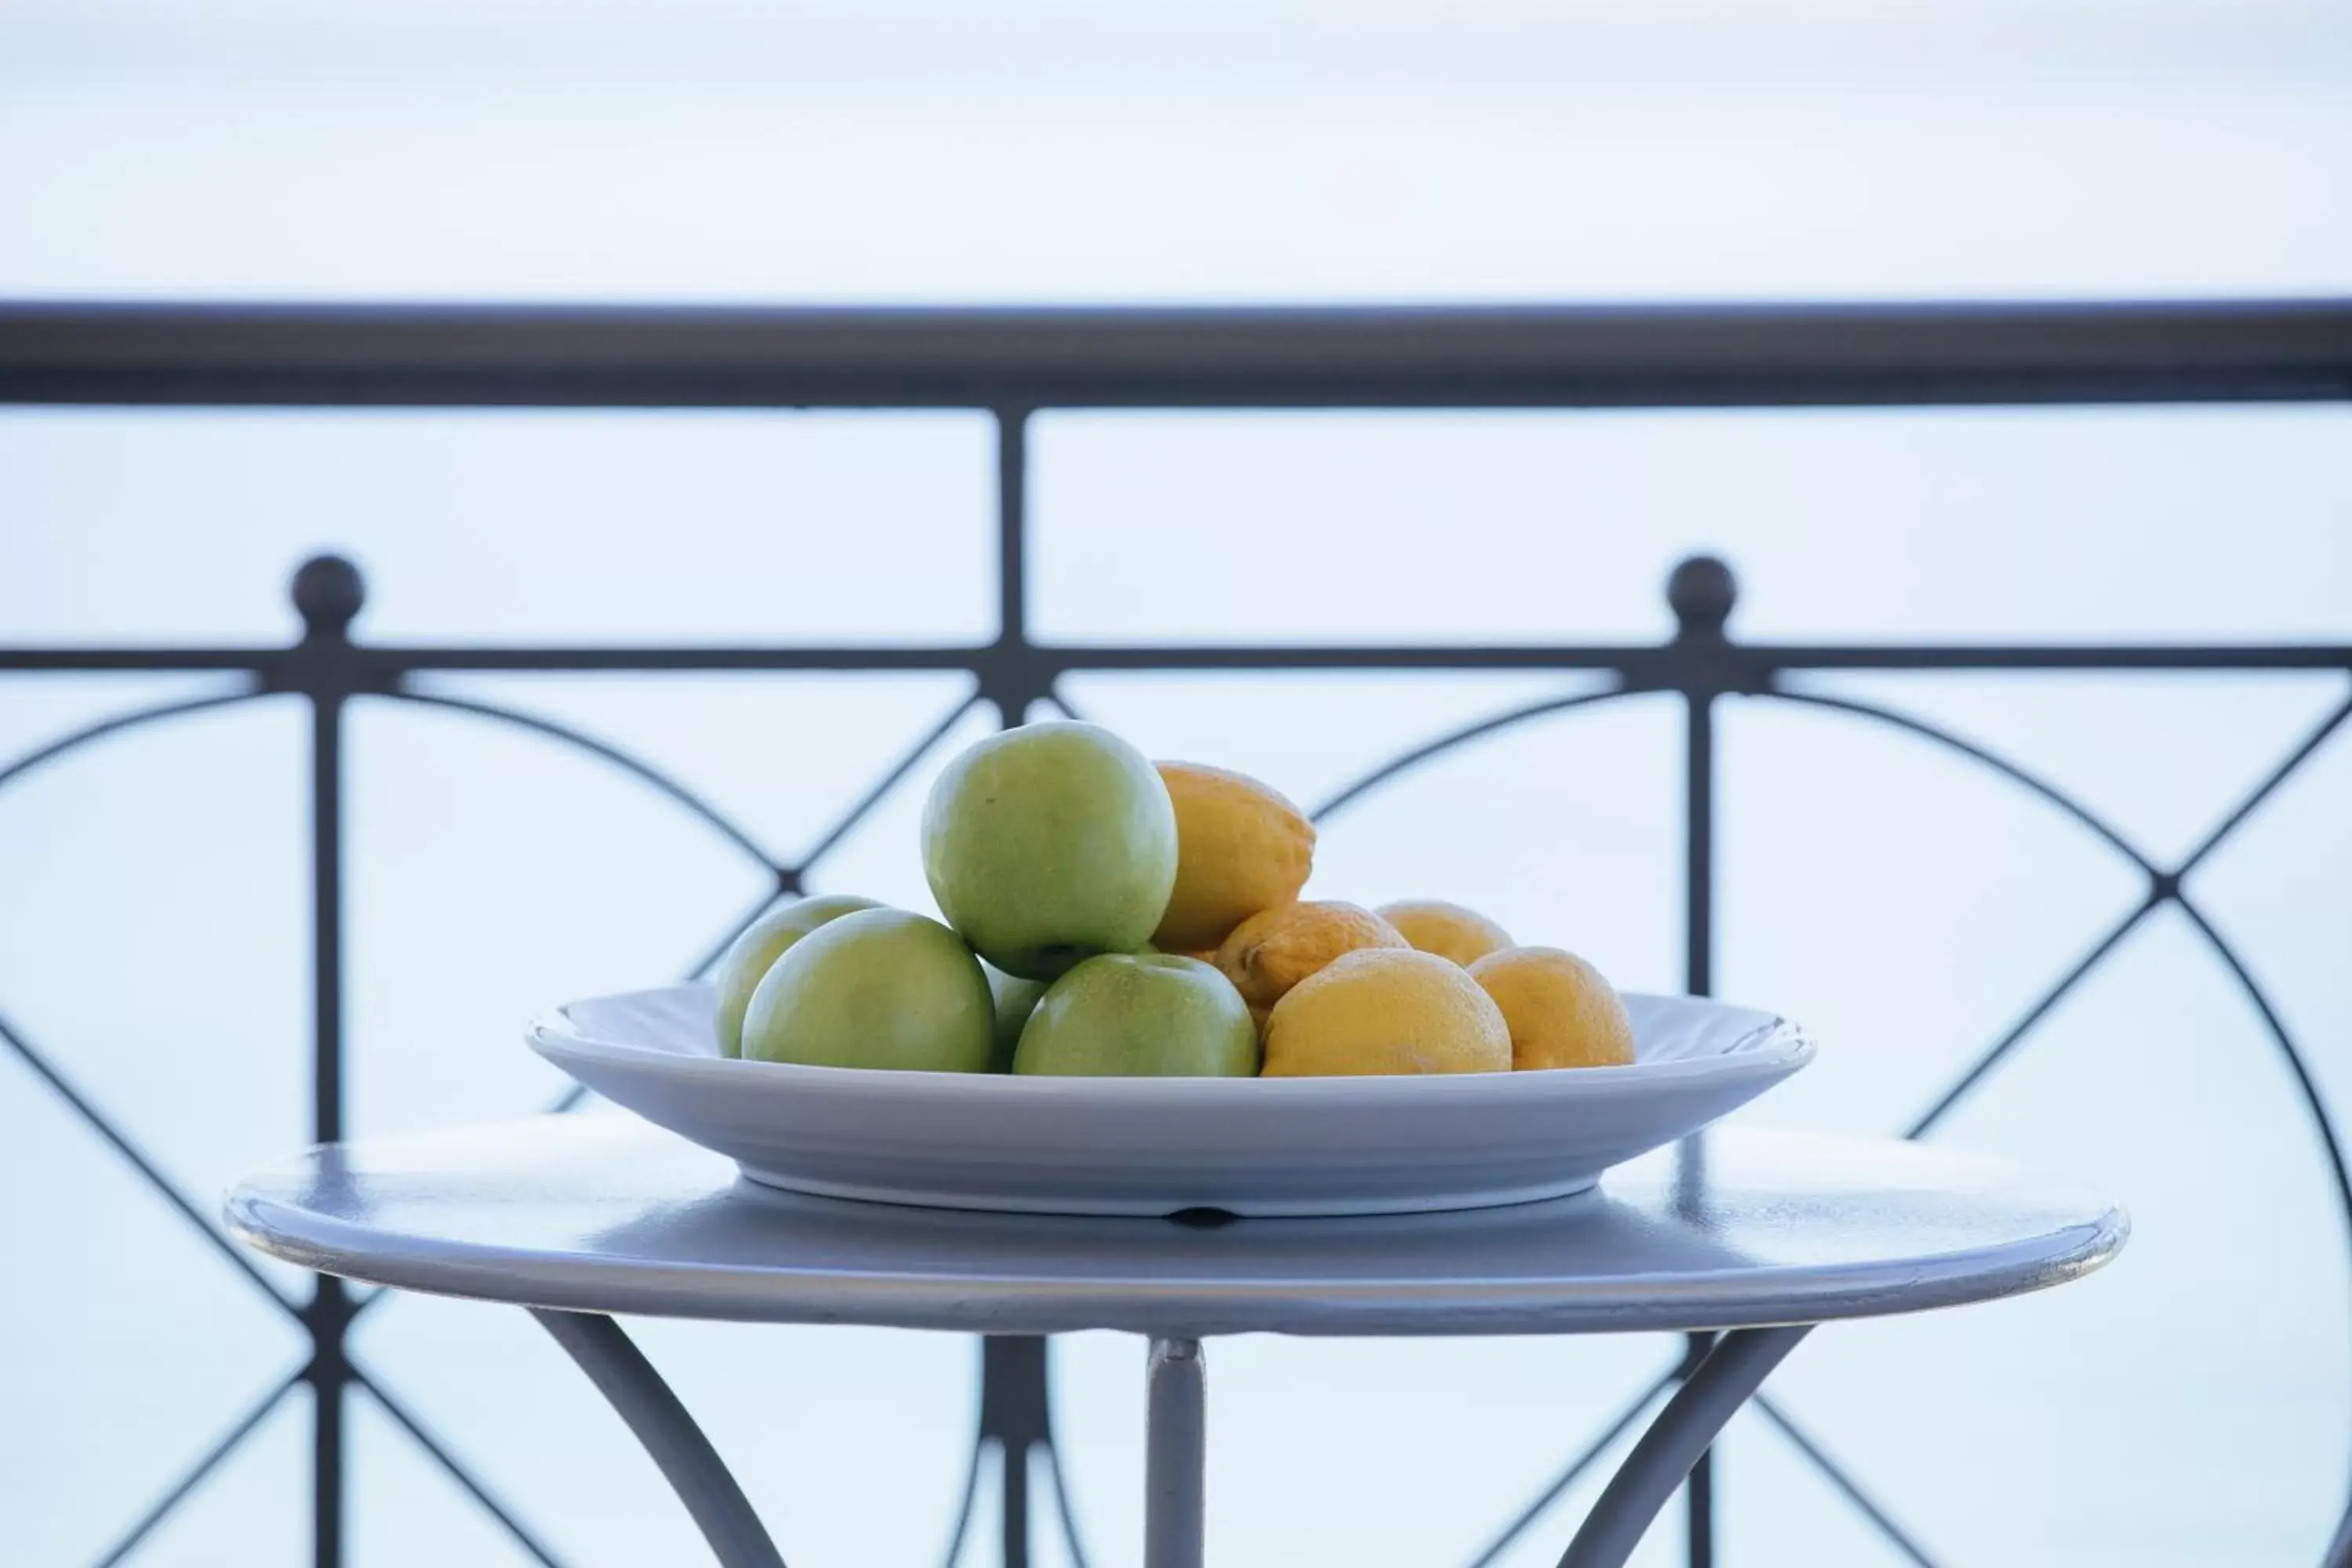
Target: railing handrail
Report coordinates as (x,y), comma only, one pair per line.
(1717,355)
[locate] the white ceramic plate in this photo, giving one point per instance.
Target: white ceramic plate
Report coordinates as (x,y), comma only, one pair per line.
(1159,1145)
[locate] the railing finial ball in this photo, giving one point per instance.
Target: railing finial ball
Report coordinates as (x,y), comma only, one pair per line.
(328,592)
(1701,592)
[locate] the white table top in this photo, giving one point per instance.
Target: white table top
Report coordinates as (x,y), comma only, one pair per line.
(600,1212)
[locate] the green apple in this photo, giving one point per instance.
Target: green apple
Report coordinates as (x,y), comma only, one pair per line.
(880,989)
(754,952)
(1049,844)
(1149,1014)
(1015,999)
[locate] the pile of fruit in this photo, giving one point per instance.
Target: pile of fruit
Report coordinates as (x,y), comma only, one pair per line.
(1108,916)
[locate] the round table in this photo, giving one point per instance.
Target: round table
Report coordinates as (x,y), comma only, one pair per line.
(1761,1235)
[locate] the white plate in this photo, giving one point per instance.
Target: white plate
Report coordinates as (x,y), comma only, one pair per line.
(1159,1145)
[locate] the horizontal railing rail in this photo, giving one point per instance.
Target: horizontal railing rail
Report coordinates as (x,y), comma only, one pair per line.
(1612,356)
(1738,667)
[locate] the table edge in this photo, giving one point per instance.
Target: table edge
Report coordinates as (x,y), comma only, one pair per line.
(1193,1308)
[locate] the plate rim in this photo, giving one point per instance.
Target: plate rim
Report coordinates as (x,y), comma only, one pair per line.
(1774,1049)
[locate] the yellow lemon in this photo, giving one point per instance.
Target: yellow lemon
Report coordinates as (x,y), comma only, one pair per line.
(1240,847)
(1562,1013)
(1276,949)
(1449,930)
(1382,1010)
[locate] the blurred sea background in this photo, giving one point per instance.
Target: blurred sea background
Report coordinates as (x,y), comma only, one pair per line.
(2190,1406)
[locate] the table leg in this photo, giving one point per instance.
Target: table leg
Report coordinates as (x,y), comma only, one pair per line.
(1175,1452)
(693,1468)
(1708,1398)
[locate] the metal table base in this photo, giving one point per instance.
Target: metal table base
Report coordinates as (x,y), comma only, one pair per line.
(1175,1443)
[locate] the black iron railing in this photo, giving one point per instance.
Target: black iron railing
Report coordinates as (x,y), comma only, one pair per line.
(1011,365)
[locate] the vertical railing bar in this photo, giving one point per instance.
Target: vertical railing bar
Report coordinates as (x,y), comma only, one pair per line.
(1699,869)
(1012,527)
(1698,979)
(328,1372)
(1700,592)
(327,595)
(326,915)
(1013,1393)
(1013,1479)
